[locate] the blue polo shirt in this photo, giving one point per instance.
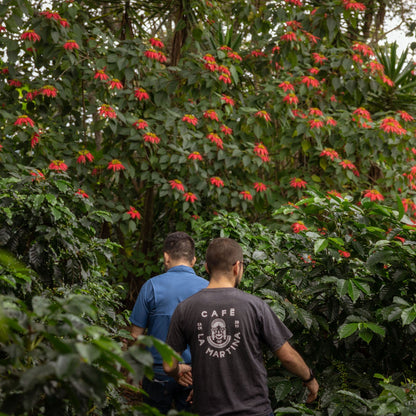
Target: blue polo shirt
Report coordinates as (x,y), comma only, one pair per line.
(157,300)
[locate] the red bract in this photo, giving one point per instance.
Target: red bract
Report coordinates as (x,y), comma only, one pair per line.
(263,114)
(291,98)
(276,49)
(37,175)
(152,54)
(190,197)
(106,111)
(391,125)
(257,52)
(358,59)
(161,57)
(101,75)
(215,139)
(48,90)
(140,124)
(115,83)
(345,254)
(195,156)
(223,69)
(387,80)
(405,116)
(50,14)
(286,86)
(216,181)
(30,35)
(375,66)
(82,193)
(362,112)
(84,156)
(408,203)
(297,227)
(310,81)
(141,94)
(191,119)
(71,44)
(331,153)
(226,130)
(64,22)
(115,165)
(318,58)
(211,114)
(373,194)
(353,5)
(2,28)
(246,195)
(260,187)
(315,123)
(298,183)
(228,99)
(26,120)
(177,184)
(134,213)
(331,122)
(315,112)
(156,42)
(347,164)
(234,55)
(334,193)
(289,37)
(295,2)
(35,139)
(14,83)
(362,48)
(260,149)
(58,165)
(226,79)
(151,138)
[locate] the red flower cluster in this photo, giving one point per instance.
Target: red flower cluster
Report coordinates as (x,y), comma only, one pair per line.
(71,44)
(316,123)
(246,195)
(298,183)
(14,83)
(84,156)
(227,99)
(289,37)
(48,90)
(34,140)
(195,156)
(261,150)
(297,227)
(286,86)
(216,139)
(141,94)
(140,124)
(191,119)
(263,114)
(190,197)
(226,130)
(259,186)
(405,116)
(30,35)
(82,193)
(134,213)
(362,113)
(151,138)
(310,81)
(363,49)
(353,5)
(101,75)
(26,120)
(318,58)
(216,181)
(156,42)
(391,125)
(374,195)
(210,62)
(115,83)
(58,165)
(211,114)
(291,98)
(177,184)
(155,55)
(331,153)
(115,165)
(345,254)
(347,164)
(106,111)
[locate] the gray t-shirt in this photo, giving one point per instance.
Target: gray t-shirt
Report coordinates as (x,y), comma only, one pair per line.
(225,329)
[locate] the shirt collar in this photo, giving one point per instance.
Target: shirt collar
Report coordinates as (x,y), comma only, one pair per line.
(181,269)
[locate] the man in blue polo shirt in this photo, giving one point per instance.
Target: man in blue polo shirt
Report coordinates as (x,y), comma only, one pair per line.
(153,309)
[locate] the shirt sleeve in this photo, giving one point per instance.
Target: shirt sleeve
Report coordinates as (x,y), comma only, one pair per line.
(176,338)
(143,306)
(275,332)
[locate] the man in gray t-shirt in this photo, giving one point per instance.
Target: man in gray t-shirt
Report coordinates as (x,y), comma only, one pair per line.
(226,330)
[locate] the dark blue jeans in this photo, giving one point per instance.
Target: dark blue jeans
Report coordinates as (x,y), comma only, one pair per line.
(165,394)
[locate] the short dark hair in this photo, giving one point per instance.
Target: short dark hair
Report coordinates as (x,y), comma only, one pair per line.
(179,245)
(222,254)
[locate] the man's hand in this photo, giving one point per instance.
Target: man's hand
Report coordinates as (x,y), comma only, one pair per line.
(313,388)
(185,375)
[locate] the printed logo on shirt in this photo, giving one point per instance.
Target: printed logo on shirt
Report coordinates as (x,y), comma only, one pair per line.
(218,339)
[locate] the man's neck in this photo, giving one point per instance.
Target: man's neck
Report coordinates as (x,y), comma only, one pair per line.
(220,281)
(178,263)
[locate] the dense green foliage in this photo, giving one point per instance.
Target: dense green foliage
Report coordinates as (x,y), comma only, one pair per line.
(122,121)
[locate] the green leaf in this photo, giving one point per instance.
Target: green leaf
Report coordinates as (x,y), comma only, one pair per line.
(320,245)
(346,330)
(282,390)
(408,315)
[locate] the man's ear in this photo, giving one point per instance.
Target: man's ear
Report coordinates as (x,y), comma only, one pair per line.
(206,268)
(166,257)
(193,262)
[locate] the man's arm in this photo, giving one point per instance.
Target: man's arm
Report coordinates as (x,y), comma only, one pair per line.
(294,363)
(135,331)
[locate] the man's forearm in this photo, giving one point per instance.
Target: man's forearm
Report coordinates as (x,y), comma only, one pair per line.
(293,361)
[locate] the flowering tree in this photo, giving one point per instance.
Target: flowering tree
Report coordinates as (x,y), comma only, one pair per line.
(157,126)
